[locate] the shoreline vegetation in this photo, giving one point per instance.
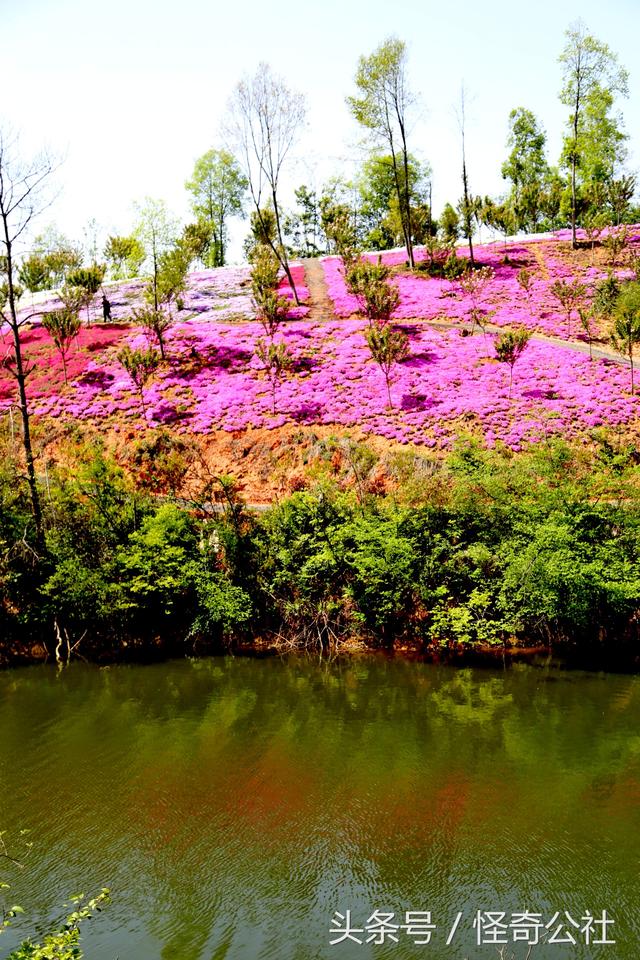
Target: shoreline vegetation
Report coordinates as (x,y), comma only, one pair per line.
(467,556)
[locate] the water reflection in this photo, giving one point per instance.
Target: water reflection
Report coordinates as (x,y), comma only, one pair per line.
(233,805)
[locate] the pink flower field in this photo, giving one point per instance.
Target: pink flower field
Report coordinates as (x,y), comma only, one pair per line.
(223,293)
(213,381)
(423,297)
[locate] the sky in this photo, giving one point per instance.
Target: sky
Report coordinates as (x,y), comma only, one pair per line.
(131,92)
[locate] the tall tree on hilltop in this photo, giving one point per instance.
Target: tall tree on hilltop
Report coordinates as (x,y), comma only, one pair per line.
(264,118)
(156,230)
(468,206)
(217,187)
(22,198)
(526,167)
(304,226)
(379,209)
(591,76)
(382,109)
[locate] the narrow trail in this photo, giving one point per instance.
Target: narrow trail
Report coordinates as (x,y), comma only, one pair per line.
(321,310)
(320,304)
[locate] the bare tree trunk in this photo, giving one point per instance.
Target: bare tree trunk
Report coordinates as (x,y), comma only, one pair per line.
(574,163)
(407,196)
(282,255)
(22,394)
(155,278)
(467,205)
(465,183)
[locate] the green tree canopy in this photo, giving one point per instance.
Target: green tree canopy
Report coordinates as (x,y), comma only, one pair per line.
(526,168)
(591,76)
(217,187)
(382,107)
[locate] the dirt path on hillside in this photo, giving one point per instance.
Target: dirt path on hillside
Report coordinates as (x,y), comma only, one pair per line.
(320,304)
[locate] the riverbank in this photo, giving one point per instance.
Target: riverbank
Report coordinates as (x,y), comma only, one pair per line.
(449,558)
(473,509)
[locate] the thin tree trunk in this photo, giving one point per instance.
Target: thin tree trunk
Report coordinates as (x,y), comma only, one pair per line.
(282,256)
(403,221)
(407,197)
(574,163)
(467,208)
(22,394)
(155,278)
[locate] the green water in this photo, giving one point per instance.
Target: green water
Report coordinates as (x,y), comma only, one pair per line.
(234,805)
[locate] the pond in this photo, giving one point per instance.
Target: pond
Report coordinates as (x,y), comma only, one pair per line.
(236,806)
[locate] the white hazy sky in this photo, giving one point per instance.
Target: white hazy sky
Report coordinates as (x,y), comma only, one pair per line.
(131,92)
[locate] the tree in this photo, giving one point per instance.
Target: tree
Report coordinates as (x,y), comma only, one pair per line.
(140,365)
(603,147)
(126,255)
(155,322)
(217,187)
(473,284)
(63,326)
(379,208)
(264,119)
(570,294)
(509,347)
(591,76)
(22,198)
(625,335)
(615,242)
(262,233)
(340,230)
(171,279)
(89,279)
(276,359)
(59,255)
(34,273)
(619,193)
(525,280)
(499,215)
(388,347)
(526,167)
(378,298)
(271,309)
(156,230)
(468,206)
(587,318)
(90,231)
(304,225)
(382,109)
(449,224)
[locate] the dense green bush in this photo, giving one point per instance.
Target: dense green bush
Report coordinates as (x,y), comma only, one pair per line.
(542,547)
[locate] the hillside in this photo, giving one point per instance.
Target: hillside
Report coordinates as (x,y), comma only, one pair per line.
(213,388)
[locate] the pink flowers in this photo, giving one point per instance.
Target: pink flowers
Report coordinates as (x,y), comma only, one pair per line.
(448,384)
(423,297)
